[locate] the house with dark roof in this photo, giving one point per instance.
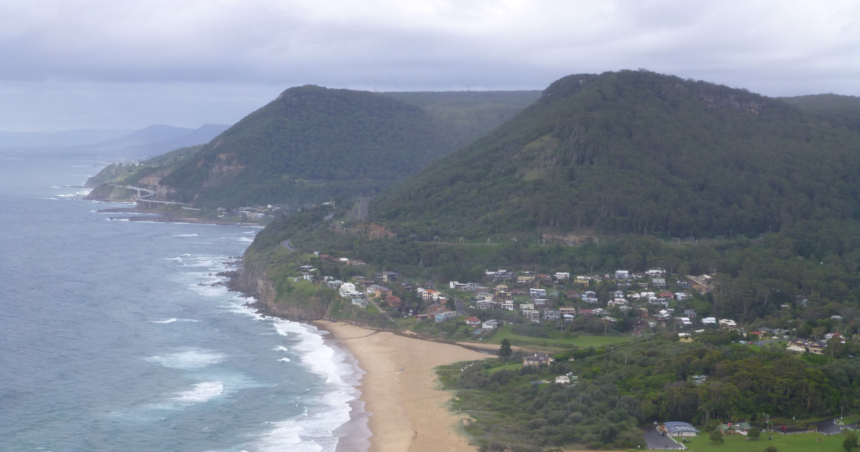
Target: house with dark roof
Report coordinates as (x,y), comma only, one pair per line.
(537,359)
(677,429)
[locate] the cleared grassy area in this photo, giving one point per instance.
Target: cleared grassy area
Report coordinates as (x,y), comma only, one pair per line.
(512,366)
(805,442)
(554,344)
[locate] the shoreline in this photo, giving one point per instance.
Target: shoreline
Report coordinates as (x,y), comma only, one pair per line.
(161,217)
(404,408)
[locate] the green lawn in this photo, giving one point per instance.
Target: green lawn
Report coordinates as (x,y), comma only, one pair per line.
(806,442)
(554,344)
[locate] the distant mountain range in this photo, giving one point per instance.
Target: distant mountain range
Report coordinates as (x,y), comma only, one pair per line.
(106,144)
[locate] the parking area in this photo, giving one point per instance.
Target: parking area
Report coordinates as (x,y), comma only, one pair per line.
(655,441)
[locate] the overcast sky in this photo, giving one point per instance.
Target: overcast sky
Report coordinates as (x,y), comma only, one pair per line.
(67,64)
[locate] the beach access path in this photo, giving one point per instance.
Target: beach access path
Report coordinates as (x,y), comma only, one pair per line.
(409,411)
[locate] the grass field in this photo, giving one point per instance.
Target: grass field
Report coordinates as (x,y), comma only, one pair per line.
(554,344)
(805,442)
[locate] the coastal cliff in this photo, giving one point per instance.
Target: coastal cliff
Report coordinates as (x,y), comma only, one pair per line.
(297,305)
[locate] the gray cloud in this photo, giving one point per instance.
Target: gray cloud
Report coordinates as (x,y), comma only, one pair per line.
(235,55)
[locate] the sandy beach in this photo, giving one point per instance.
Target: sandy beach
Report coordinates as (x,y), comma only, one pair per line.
(409,412)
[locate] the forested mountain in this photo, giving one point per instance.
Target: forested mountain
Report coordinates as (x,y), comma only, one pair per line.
(841,111)
(636,151)
(312,144)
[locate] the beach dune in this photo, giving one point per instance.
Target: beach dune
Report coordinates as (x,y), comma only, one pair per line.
(409,411)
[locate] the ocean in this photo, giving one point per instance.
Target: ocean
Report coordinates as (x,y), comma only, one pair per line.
(119,336)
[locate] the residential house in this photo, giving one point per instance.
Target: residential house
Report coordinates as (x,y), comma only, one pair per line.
(699,379)
(540,303)
(590,296)
(442,316)
(456,285)
(356,262)
(562,276)
(473,321)
(568,318)
(484,295)
(582,280)
(709,321)
(658,283)
(387,276)
(393,301)
(677,429)
(655,273)
(567,310)
(666,295)
(490,324)
(817,347)
(531,314)
(486,304)
(347,290)
(360,302)
(691,313)
(684,322)
(643,312)
(537,293)
(728,324)
(434,308)
(551,315)
(616,302)
(527,306)
(681,296)
(334,284)
(430,294)
(797,345)
(508,304)
(586,312)
(562,380)
(537,359)
(622,274)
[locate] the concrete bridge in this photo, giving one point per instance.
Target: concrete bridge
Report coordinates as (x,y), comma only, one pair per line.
(145,200)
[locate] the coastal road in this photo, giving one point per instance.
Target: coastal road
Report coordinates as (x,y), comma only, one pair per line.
(460,309)
(655,441)
(286,244)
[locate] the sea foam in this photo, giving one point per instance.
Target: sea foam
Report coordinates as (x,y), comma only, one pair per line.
(202,392)
(190,359)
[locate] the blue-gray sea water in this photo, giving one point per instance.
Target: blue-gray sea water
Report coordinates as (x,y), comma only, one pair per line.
(113,338)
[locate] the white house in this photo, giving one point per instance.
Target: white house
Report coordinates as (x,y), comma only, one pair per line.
(562,276)
(589,297)
(508,304)
(360,302)
(490,324)
(347,290)
(537,293)
(562,379)
(709,321)
(622,274)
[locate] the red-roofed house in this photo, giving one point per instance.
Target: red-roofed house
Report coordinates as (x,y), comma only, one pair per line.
(473,321)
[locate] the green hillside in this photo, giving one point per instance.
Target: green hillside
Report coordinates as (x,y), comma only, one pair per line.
(841,111)
(637,152)
(313,144)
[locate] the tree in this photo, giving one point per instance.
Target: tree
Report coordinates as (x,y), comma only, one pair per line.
(716,437)
(505,350)
(770,449)
(753,434)
(850,442)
